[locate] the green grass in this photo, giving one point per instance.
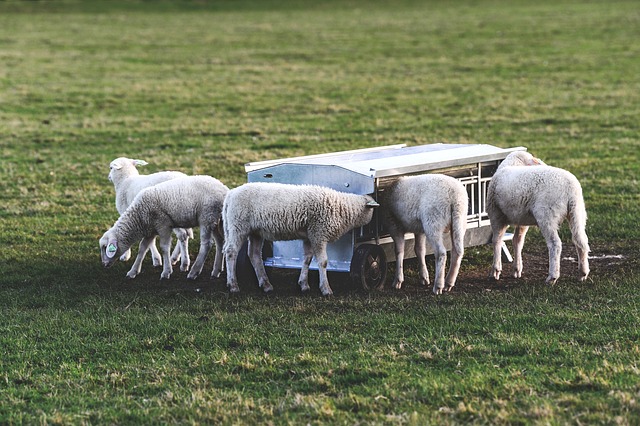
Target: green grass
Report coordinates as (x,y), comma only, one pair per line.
(206,87)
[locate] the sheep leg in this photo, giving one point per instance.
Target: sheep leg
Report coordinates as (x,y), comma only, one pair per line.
(206,241)
(175,254)
(457,251)
(420,247)
(498,233)
(217,263)
(550,233)
(303,280)
(165,246)
(255,256)
(231,257)
(581,243)
(142,251)
(440,254)
(518,243)
(320,251)
(126,255)
(156,257)
(181,250)
(398,243)
(583,263)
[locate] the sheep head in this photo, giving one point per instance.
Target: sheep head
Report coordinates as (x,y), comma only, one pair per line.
(124,167)
(521,158)
(110,250)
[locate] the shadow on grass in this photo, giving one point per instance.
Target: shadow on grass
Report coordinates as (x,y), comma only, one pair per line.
(45,281)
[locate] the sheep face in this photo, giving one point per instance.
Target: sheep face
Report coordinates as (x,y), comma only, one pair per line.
(110,250)
(122,162)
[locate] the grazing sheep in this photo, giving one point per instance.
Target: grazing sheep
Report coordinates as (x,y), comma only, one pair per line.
(429,206)
(183,202)
(276,212)
(525,192)
(128,183)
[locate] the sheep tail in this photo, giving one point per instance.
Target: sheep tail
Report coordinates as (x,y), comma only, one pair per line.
(577,214)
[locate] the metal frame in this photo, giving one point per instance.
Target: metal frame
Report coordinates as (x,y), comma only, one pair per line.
(370,171)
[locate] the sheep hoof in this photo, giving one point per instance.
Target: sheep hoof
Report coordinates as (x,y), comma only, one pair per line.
(165,276)
(397,285)
(304,287)
(191,276)
(234,288)
(215,274)
(267,288)
(517,274)
(327,292)
(448,288)
(184,268)
(496,274)
(551,280)
(125,257)
(131,275)
(437,290)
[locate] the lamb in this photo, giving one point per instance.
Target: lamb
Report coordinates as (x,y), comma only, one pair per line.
(128,183)
(276,212)
(429,206)
(526,192)
(183,202)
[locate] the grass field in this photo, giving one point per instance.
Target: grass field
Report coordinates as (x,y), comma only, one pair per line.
(206,87)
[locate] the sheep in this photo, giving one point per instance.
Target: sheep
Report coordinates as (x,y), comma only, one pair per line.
(183,202)
(428,206)
(128,183)
(526,192)
(275,212)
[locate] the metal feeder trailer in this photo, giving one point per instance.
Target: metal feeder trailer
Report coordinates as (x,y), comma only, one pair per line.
(365,251)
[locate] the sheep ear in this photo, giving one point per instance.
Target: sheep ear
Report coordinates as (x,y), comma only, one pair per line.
(372,204)
(111,249)
(116,166)
(536,162)
(139,163)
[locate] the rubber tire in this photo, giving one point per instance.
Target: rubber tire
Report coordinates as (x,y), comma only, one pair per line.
(368,267)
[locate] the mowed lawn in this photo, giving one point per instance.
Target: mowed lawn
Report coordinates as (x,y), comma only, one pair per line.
(204,87)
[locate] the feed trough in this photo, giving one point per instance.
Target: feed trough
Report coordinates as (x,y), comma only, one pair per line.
(365,251)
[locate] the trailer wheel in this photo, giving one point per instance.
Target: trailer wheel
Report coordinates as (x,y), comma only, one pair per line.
(369,267)
(244,269)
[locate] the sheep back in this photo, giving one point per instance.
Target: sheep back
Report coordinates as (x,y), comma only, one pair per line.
(413,202)
(131,186)
(279,212)
(522,193)
(185,202)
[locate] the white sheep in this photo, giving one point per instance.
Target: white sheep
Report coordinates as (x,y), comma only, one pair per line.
(428,206)
(526,192)
(276,212)
(183,202)
(128,182)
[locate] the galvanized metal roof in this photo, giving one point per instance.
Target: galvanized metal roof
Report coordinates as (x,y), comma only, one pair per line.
(395,160)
